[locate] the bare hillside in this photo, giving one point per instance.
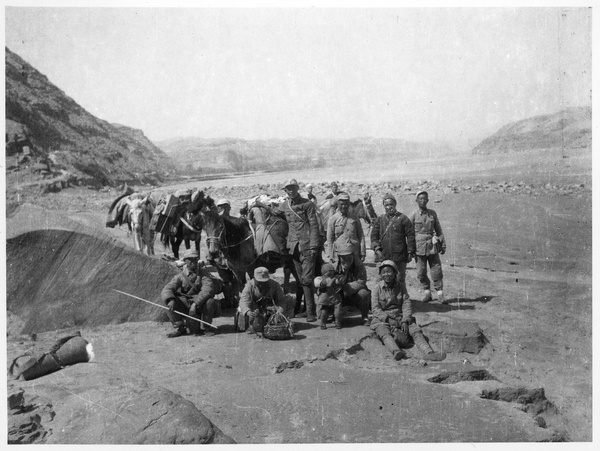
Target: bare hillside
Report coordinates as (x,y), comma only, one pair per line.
(49,134)
(568,129)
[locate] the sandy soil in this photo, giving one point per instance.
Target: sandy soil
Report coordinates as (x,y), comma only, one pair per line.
(518,265)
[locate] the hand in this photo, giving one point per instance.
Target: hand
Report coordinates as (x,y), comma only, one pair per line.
(251,315)
(280,310)
(411,257)
(193,308)
(379,254)
(171,305)
(404,327)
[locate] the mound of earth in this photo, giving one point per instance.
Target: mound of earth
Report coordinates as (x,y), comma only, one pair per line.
(60,276)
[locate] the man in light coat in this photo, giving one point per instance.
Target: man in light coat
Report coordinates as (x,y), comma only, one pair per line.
(430,243)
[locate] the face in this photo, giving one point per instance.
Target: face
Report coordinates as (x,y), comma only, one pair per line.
(390,206)
(346,261)
(191,263)
(291,191)
(224,209)
(388,274)
(343,206)
(309,189)
(422,200)
(334,187)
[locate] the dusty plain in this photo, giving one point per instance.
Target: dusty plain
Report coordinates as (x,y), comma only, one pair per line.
(518,265)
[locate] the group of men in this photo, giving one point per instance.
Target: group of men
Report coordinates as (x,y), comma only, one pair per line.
(396,240)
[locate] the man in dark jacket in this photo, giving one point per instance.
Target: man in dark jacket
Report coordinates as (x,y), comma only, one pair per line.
(303,240)
(393,237)
(191,292)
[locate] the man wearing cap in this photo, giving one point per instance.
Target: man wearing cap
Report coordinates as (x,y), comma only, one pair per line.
(354,279)
(303,239)
(393,237)
(430,243)
(224,208)
(260,296)
(341,227)
(309,193)
(191,292)
(392,316)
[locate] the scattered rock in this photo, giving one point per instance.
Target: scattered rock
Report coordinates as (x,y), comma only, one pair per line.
(457,336)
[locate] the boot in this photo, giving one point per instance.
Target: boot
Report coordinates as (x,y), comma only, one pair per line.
(392,346)
(178,333)
(441,298)
(427,296)
(425,348)
(309,299)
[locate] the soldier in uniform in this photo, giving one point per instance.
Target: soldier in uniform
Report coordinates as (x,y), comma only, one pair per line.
(392,316)
(430,244)
(191,292)
(260,297)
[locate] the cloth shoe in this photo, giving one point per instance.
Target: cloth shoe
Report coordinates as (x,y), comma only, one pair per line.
(427,296)
(178,333)
(399,355)
(441,297)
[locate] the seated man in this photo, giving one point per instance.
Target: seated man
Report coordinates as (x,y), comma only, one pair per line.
(191,292)
(392,316)
(354,279)
(260,298)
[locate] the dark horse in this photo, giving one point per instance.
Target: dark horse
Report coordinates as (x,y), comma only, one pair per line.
(189,225)
(231,247)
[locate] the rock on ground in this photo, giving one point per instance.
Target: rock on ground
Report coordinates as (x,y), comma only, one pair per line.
(91,403)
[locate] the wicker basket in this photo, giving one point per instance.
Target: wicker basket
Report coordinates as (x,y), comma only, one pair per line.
(278,327)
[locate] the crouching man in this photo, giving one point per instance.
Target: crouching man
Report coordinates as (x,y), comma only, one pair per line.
(260,298)
(191,292)
(392,316)
(353,279)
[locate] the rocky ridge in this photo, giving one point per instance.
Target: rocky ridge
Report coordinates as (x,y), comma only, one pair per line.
(48,135)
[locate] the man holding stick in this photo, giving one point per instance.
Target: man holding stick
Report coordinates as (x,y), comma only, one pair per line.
(190,292)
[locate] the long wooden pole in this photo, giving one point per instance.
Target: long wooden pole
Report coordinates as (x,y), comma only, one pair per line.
(165,307)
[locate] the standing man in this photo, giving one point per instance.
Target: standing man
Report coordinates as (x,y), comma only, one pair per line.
(430,243)
(224,208)
(309,193)
(303,240)
(341,227)
(191,292)
(393,237)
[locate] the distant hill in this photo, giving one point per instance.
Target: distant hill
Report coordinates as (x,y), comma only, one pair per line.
(570,128)
(45,127)
(207,156)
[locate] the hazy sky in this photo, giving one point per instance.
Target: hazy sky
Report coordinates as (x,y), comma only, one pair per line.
(453,75)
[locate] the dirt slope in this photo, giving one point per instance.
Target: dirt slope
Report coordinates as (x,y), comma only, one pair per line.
(61,278)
